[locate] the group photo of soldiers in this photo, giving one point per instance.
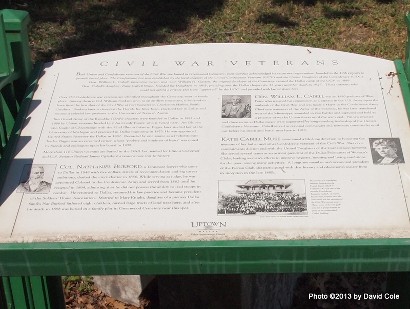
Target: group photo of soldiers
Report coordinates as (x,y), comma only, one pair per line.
(261,196)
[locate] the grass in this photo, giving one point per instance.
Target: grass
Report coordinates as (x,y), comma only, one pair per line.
(68,28)
(82,284)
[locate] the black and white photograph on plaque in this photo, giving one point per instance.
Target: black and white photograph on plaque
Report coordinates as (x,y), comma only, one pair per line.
(386,150)
(252,197)
(36,178)
(236,106)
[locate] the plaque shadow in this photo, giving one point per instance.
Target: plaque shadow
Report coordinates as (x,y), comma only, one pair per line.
(13,179)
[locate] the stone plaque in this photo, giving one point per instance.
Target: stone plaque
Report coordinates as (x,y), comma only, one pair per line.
(211,141)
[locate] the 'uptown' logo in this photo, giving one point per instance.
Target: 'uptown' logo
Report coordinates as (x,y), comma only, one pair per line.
(208,225)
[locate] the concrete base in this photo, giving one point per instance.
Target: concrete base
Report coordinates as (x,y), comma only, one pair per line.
(124,288)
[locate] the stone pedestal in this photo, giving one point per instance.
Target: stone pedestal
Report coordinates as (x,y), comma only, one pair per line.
(124,288)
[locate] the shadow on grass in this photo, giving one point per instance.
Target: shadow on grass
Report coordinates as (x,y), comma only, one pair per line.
(331,9)
(313,2)
(331,13)
(385,1)
(298,2)
(114,24)
(277,19)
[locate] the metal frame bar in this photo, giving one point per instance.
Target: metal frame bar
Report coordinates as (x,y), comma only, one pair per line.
(205,257)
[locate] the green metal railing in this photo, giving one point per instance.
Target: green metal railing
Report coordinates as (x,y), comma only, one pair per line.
(17,84)
(403,70)
(15,69)
(30,270)
(18,80)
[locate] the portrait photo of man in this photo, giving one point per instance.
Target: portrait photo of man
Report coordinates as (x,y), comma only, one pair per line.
(35,180)
(236,106)
(386,150)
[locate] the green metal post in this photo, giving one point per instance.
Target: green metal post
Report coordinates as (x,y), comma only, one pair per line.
(399,282)
(403,70)
(15,68)
(15,71)
(38,291)
(32,292)
(19,292)
(5,65)
(16,29)
(407,55)
(404,85)
(5,71)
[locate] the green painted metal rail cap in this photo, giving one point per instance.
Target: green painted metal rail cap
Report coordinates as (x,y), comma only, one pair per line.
(15,20)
